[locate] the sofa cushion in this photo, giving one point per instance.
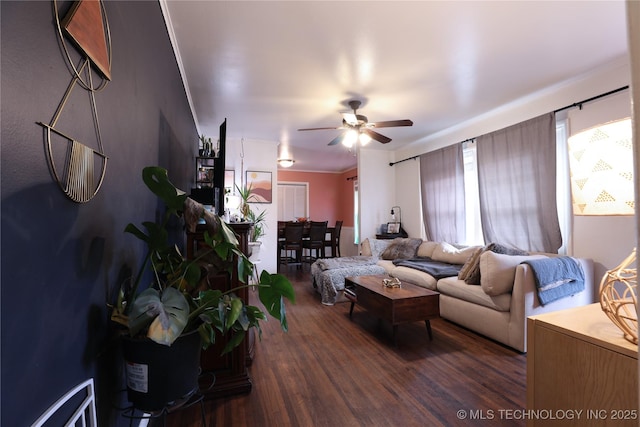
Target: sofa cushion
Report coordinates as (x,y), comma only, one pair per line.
(445,252)
(414,276)
(388,265)
(373,247)
(473,275)
(401,248)
(425,250)
(457,288)
(498,271)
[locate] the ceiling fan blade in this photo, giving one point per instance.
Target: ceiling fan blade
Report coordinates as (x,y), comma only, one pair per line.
(378,137)
(337,139)
(392,123)
(350,118)
(327,128)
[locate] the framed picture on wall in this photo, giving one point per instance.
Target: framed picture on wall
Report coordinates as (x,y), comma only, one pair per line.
(261,186)
(393,228)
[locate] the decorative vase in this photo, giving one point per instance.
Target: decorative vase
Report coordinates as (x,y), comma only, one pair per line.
(160,376)
(619,297)
(254,251)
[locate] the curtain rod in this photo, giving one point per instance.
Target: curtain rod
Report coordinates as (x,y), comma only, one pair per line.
(575,104)
(400,161)
(579,104)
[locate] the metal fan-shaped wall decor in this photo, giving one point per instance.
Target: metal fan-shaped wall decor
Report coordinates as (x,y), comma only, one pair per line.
(84,168)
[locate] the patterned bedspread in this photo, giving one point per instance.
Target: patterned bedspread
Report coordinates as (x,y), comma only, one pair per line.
(328,274)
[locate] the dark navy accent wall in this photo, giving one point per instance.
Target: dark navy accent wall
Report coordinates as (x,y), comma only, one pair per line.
(60,261)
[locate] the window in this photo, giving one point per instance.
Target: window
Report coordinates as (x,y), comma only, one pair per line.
(356,214)
(563,191)
(563,188)
(471,195)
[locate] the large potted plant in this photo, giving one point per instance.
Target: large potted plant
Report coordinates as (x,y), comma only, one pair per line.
(178,309)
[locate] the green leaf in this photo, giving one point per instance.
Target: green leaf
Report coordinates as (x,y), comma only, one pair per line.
(235,308)
(276,288)
(235,341)
(166,315)
(228,234)
(157,179)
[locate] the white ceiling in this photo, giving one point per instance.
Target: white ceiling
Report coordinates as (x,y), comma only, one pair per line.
(272,67)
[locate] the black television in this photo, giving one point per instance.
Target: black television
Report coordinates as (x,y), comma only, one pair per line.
(218,171)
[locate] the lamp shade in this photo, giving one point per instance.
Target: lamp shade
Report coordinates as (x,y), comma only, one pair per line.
(601,162)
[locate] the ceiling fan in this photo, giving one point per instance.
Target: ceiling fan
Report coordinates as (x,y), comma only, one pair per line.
(357,126)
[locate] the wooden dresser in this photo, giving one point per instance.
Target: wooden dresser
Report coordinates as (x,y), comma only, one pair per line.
(578,360)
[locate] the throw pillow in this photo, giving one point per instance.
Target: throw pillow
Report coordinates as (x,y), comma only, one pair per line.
(470,265)
(401,248)
(473,276)
(365,248)
(499,271)
(378,246)
(445,252)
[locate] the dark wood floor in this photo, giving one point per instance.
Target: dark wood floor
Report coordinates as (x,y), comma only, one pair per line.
(331,371)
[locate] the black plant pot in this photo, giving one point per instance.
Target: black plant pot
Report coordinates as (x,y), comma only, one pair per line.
(160,376)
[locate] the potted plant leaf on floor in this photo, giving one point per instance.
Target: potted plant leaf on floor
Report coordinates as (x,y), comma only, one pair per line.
(178,314)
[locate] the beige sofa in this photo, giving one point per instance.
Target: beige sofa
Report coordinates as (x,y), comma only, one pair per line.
(497,308)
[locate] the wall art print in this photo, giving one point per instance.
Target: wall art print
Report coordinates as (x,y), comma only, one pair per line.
(261,186)
(229,180)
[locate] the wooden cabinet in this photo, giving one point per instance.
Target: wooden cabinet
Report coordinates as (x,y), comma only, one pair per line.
(230,371)
(578,361)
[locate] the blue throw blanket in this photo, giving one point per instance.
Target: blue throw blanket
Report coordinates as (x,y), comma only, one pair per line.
(436,269)
(556,277)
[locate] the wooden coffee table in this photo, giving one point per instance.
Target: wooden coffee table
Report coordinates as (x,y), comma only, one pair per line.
(409,303)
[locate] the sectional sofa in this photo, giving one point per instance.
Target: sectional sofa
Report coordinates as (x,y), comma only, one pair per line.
(490,290)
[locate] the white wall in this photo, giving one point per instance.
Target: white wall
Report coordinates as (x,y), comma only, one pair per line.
(376,180)
(259,155)
(407,187)
(633,25)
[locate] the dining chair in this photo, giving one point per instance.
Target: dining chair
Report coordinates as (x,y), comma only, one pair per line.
(333,241)
(315,242)
(291,245)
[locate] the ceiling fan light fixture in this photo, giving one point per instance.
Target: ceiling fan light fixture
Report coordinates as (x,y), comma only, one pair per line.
(364,139)
(350,138)
(286,163)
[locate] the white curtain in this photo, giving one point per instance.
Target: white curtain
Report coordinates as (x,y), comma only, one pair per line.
(442,186)
(517,183)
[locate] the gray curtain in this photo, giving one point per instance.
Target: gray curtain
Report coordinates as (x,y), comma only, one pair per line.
(517,180)
(442,186)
